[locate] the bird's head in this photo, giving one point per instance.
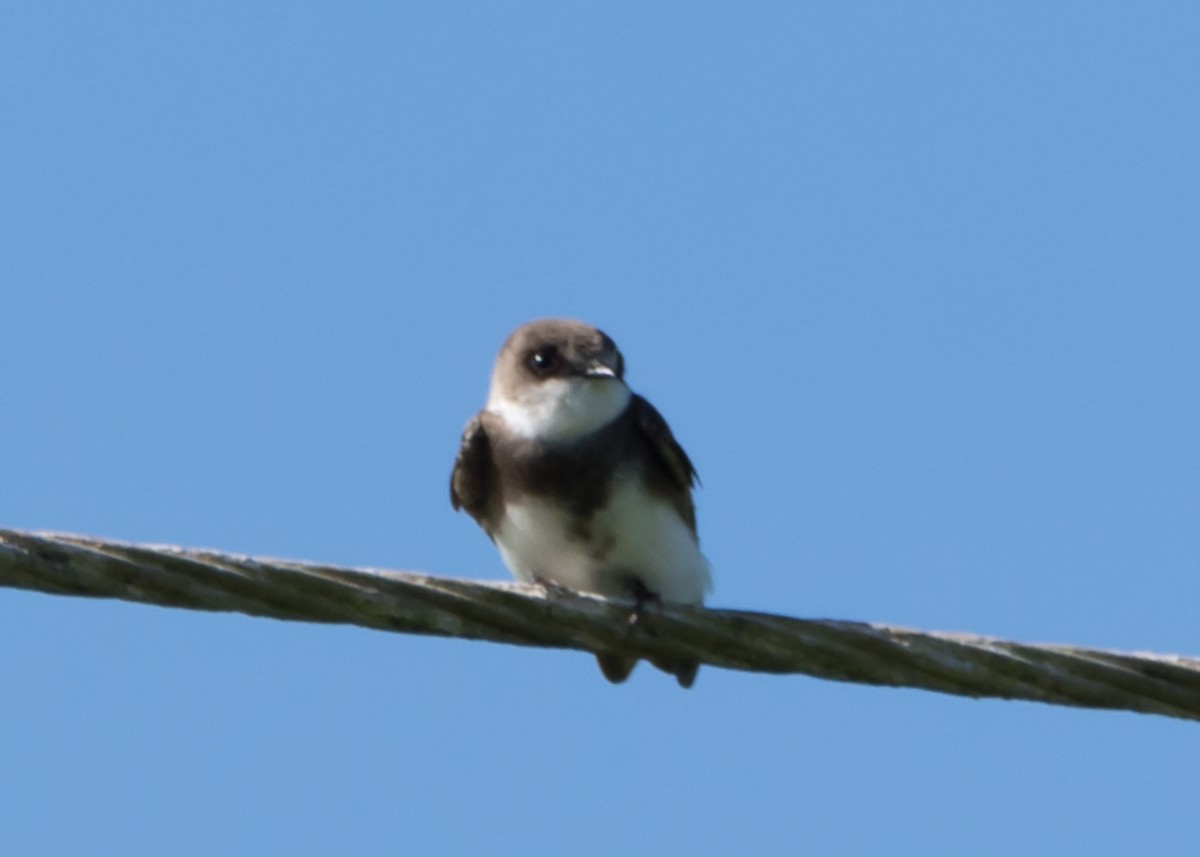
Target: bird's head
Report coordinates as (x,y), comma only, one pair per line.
(558,380)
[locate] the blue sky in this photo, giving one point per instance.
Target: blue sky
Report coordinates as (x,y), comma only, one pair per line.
(917,285)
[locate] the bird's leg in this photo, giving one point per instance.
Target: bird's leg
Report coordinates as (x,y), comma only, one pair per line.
(552,588)
(642,596)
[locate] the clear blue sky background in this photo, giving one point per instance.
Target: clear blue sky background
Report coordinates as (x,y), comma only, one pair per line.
(918,286)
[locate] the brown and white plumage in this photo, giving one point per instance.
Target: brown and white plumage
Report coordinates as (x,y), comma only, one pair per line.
(579,481)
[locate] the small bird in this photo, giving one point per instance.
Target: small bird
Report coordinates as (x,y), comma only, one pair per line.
(579,481)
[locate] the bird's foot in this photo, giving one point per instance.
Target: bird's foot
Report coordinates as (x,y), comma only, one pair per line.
(642,596)
(552,588)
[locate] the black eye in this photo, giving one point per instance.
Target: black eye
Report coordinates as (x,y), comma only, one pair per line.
(544,360)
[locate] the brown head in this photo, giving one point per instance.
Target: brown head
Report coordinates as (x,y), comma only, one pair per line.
(558,379)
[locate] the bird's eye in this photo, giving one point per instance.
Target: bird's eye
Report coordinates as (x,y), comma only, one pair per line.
(545,360)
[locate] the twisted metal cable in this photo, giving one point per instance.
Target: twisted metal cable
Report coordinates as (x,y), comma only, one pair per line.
(530,616)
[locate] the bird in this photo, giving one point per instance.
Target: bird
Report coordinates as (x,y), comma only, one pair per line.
(579,481)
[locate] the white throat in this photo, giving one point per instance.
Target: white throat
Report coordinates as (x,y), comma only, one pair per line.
(560,409)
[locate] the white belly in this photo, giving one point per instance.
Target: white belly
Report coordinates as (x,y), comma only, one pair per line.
(635,536)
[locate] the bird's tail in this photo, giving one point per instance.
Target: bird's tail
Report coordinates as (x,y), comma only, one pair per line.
(616,668)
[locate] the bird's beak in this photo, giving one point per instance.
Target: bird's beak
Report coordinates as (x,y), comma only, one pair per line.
(599,369)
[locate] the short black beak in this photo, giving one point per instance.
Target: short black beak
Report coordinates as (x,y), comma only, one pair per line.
(596,369)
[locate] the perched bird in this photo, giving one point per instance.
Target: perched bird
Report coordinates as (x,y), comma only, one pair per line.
(579,481)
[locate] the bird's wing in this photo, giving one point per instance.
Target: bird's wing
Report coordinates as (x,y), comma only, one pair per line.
(471,479)
(669,454)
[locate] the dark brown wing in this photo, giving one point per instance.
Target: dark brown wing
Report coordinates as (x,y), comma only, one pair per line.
(471,479)
(670,455)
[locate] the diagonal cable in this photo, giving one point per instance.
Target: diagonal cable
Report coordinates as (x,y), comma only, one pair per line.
(416,603)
